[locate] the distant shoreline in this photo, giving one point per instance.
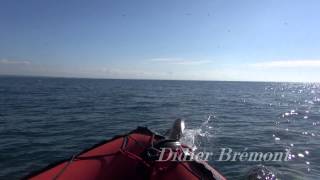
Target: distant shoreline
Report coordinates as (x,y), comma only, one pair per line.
(137,79)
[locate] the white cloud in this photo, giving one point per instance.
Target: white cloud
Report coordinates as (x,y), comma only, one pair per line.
(179,61)
(288,64)
(165,59)
(128,73)
(14,62)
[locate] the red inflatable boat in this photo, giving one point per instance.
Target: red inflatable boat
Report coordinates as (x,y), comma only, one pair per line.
(130,156)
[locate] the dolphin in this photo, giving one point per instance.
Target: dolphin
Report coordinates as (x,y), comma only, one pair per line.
(259,172)
(176,130)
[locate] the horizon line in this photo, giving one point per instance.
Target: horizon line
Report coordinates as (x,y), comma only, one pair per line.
(150,79)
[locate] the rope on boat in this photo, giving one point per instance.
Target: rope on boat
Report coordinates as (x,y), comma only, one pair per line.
(63,169)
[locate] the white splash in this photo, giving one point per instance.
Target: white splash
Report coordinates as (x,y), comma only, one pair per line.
(190,136)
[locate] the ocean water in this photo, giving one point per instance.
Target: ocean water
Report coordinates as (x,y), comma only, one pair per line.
(43,120)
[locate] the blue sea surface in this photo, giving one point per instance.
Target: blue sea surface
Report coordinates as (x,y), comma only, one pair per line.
(43,120)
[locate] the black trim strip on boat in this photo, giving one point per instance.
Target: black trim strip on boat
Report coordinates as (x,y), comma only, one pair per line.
(138,130)
(96,157)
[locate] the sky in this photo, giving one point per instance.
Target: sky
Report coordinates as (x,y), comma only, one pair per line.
(233,40)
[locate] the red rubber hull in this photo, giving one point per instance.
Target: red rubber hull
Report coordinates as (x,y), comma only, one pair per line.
(119,158)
